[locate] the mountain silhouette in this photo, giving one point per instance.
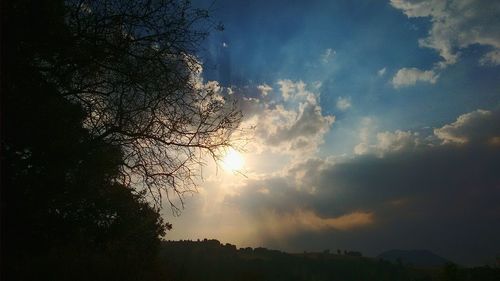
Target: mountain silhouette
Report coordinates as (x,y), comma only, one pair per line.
(414,257)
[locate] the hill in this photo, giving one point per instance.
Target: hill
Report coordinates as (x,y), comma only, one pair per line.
(211,260)
(420,258)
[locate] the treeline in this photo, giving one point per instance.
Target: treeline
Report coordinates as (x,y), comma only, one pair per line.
(78,94)
(65,216)
(212,260)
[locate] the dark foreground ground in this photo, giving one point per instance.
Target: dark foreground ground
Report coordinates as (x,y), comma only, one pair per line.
(211,260)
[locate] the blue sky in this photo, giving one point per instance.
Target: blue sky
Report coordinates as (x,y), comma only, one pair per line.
(350,98)
(271,40)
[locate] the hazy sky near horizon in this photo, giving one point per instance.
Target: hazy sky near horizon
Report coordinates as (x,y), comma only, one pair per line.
(377,127)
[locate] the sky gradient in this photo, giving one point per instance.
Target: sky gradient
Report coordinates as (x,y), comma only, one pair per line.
(376,126)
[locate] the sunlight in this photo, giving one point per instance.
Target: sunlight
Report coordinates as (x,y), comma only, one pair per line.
(233,161)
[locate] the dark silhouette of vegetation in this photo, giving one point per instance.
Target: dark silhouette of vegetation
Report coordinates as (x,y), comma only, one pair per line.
(414,257)
(101,97)
(212,260)
(130,65)
(101,110)
(133,70)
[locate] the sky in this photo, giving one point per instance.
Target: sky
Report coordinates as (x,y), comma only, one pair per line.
(371,125)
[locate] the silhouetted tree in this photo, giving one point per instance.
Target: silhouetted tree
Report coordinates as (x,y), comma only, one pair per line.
(64,214)
(89,109)
(131,65)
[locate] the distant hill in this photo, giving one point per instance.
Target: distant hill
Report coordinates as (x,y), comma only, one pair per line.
(207,260)
(422,258)
(211,260)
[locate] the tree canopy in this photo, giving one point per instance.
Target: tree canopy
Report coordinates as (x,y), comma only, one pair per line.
(103,109)
(131,65)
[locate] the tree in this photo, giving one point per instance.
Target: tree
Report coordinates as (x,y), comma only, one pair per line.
(132,66)
(83,119)
(63,212)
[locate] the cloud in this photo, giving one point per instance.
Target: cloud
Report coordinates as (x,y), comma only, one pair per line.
(290,89)
(491,58)
(405,190)
(343,103)
(479,126)
(410,76)
(420,8)
(293,125)
(381,72)
(457,24)
(264,89)
(388,142)
(327,55)
(291,129)
(345,222)
(308,221)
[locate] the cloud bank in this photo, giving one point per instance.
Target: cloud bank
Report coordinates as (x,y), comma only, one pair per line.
(456,25)
(405,190)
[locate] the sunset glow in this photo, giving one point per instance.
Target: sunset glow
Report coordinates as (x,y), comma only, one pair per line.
(233,161)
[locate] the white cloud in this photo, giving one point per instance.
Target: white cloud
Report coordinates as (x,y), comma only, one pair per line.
(491,58)
(479,126)
(388,142)
(289,89)
(293,129)
(366,130)
(361,148)
(293,125)
(264,89)
(476,126)
(410,76)
(456,24)
(381,72)
(397,141)
(419,8)
(343,103)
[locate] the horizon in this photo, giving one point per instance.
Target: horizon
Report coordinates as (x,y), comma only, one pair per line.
(367,128)
(331,250)
(376,127)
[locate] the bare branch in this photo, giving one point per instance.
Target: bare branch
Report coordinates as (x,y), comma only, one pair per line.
(135,73)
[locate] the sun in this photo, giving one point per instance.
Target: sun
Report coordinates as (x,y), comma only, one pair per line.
(233,161)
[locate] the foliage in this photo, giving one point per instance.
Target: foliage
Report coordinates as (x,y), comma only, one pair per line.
(210,260)
(130,64)
(89,107)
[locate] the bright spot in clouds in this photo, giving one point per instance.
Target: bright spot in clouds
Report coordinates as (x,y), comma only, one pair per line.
(412,84)
(233,161)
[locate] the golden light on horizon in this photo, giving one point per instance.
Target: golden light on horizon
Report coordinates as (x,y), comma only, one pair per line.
(233,161)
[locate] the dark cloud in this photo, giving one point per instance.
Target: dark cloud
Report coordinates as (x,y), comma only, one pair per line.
(439,196)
